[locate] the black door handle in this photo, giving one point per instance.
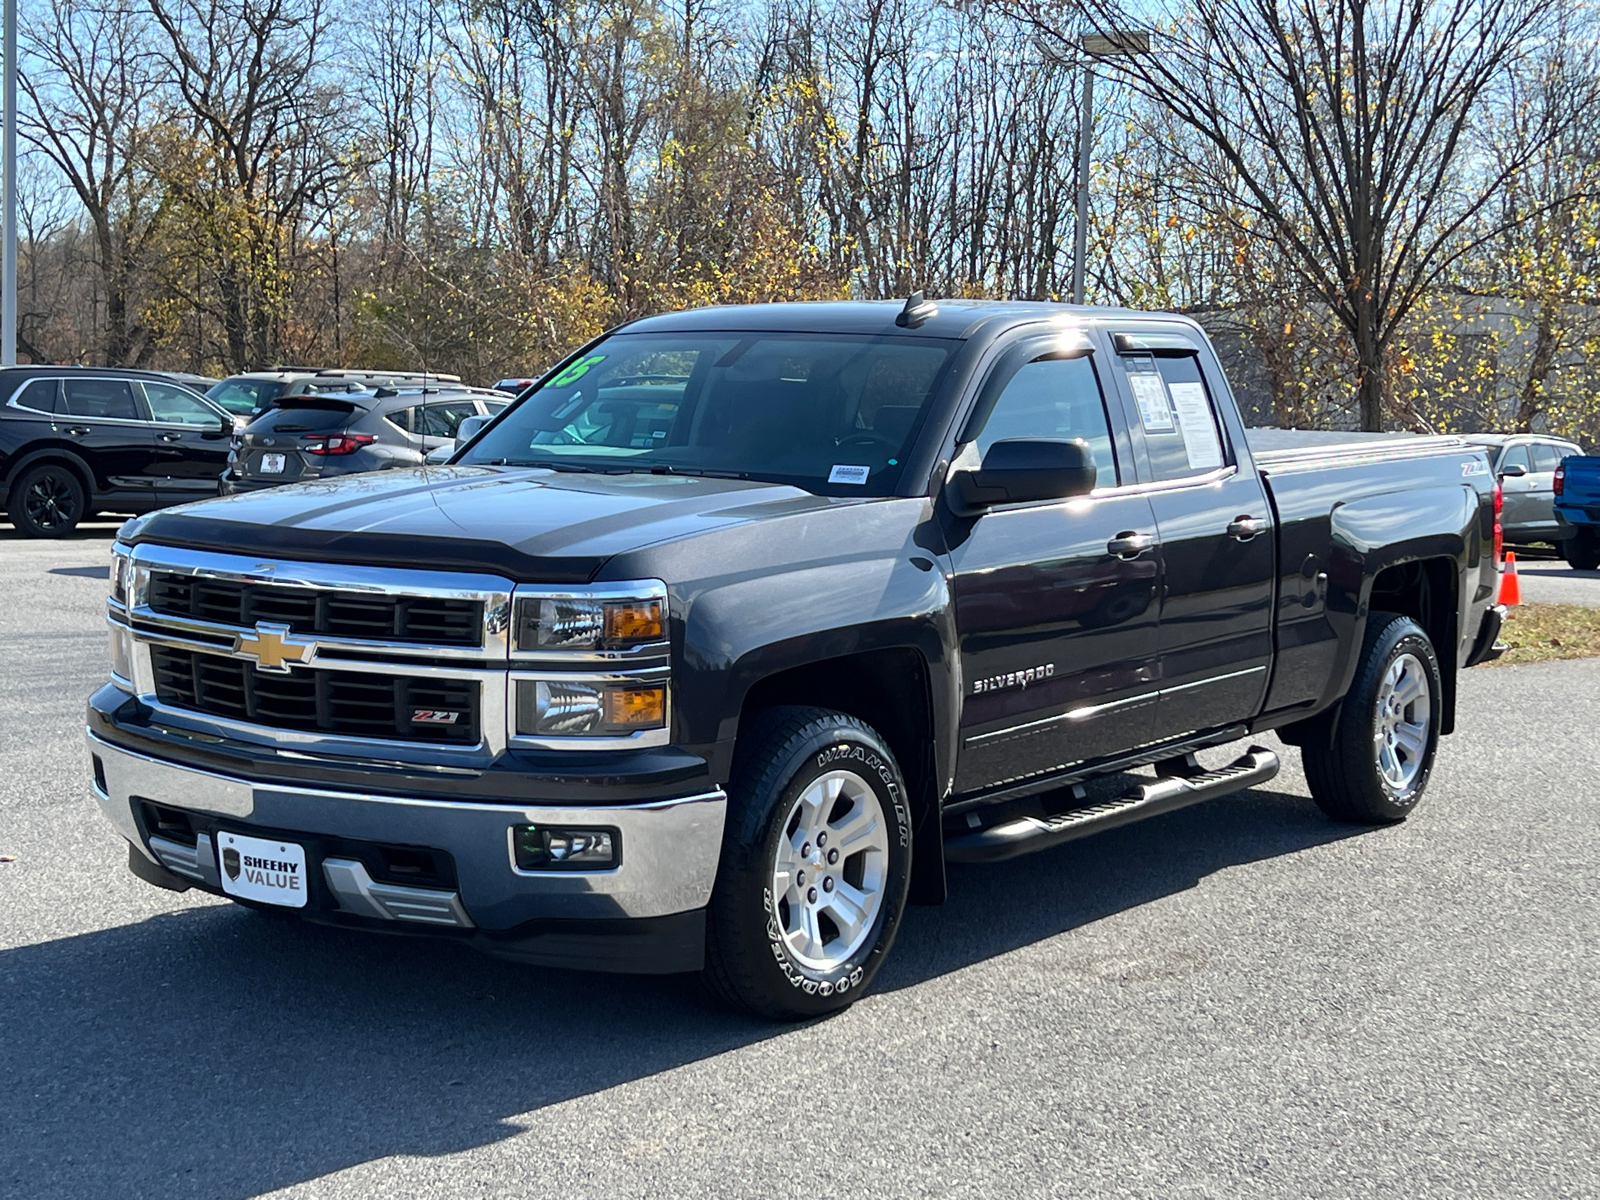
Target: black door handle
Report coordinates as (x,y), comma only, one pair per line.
(171,437)
(79,430)
(1246,527)
(1130,544)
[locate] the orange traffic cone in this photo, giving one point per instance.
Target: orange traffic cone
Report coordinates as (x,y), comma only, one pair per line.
(1510,588)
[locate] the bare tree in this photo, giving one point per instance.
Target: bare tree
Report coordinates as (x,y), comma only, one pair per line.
(1343,127)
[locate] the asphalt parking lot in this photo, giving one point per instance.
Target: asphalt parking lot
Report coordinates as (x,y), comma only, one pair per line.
(1239,999)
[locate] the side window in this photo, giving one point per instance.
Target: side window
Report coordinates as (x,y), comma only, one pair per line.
(1180,423)
(442,419)
(1516,456)
(42,395)
(400,418)
(1054,398)
(174,406)
(1547,457)
(101,398)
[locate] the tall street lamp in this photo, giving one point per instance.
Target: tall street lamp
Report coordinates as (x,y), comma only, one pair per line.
(1120,43)
(8,234)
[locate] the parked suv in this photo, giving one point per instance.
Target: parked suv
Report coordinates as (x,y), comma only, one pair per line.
(250,394)
(320,434)
(1525,464)
(79,440)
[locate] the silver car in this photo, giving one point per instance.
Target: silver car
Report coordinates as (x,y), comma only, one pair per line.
(1525,464)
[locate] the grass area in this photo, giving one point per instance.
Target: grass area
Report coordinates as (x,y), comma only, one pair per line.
(1542,632)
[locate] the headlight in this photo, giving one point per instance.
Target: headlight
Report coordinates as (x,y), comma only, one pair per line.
(119,574)
(558,708)
(631,615)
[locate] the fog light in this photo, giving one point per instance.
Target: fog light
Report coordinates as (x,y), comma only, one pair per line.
(542,848)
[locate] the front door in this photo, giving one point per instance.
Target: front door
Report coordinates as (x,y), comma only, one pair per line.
(1055,602)
(191,443)
(1216,531)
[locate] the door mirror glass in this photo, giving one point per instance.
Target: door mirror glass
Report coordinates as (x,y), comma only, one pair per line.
(1025,470)
(468,429)
(1514,471)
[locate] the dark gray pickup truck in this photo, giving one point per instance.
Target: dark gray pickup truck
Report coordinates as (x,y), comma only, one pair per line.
(717,646)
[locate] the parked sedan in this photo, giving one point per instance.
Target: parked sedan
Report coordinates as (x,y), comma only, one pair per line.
(323,434)
(1525,464)
(75,441)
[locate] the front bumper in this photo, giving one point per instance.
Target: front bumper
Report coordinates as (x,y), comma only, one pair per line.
(645,914)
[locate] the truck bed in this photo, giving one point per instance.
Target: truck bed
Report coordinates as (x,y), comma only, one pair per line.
(1283,447)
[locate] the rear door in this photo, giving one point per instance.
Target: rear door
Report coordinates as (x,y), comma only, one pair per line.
(106,420)
(191,442)
(1214,524)
(1055,601)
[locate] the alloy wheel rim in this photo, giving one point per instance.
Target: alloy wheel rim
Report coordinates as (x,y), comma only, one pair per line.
(830,870)
(1400,724)
(49,502)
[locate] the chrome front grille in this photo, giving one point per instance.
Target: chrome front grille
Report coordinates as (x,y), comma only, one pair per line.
(424,620)
(357,704)
(409,665)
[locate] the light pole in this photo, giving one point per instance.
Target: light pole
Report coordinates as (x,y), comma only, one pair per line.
(1121,43)
(8,234)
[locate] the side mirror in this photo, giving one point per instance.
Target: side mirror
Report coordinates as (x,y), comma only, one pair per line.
(1513,472)
(468,429)
(1019,470)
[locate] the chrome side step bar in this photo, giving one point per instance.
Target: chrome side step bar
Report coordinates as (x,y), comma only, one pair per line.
(1024,835)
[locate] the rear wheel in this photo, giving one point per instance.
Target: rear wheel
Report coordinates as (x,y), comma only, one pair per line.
(816,860)
(1373,765)
(47,501)
(1582,550)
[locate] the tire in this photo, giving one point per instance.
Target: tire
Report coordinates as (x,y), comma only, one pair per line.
(780,939)
(1373,763)
(47,501)
(1581,550)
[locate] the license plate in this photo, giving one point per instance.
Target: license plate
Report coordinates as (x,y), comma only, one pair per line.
(272,464)
(263,870)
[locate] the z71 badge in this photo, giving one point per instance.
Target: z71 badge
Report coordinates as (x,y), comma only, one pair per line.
(1013,679)
(1476,467)
(434,716)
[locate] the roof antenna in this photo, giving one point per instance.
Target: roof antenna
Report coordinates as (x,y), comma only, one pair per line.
(916,311)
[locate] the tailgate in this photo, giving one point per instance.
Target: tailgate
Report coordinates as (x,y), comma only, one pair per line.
(1581,485)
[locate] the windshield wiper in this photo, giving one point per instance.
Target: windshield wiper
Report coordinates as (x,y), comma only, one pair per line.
(708,472)
(541,464)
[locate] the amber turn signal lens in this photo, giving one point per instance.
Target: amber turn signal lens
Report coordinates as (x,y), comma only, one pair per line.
(636,708)
(634,621)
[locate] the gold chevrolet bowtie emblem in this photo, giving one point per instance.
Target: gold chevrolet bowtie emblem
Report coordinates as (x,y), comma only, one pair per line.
(273,647)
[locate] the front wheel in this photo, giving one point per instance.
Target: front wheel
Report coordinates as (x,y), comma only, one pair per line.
(1372,766)
(816,860)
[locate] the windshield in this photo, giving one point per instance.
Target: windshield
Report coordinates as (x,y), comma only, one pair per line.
(244,396)
(830,413)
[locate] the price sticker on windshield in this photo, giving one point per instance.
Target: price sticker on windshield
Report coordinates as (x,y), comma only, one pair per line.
(856,475)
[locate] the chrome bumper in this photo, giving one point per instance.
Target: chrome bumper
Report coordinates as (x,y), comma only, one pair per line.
(669,848)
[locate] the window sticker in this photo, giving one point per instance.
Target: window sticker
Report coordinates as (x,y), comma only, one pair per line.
(856,475)
(1198,429)
(577,370)
(1150,394)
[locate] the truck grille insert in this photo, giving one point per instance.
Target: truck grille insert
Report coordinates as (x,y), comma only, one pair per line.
(425,620)
(343,703)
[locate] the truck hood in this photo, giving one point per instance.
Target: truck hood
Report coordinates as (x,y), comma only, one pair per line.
(533,525)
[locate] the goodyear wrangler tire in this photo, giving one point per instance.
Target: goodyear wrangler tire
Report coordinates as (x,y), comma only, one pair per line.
(816,859)
(1373,763)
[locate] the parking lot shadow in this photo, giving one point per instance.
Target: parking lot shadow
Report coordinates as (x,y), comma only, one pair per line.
(215,1052)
